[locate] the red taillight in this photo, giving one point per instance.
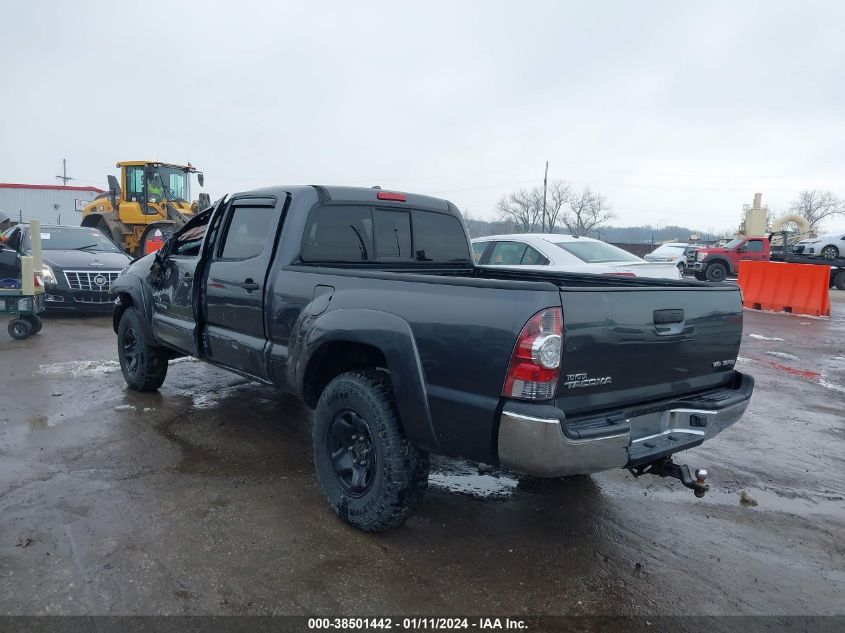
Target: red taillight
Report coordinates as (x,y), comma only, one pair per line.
(391,195)
(535,364)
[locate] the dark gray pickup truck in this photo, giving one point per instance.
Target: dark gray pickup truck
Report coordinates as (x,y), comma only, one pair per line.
(366,304)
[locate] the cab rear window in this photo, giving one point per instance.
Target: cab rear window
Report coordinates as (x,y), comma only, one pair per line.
(360,233)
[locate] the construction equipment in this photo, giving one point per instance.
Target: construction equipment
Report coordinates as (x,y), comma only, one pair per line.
(150,201)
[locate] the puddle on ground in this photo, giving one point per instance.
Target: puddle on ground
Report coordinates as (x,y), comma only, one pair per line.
(39,422)
(767,501)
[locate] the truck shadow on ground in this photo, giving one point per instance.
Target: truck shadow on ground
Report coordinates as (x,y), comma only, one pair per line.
(247,430)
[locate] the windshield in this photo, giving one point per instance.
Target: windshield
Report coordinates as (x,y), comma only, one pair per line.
(597,252)
(176,182)
(734,243)
(70,238)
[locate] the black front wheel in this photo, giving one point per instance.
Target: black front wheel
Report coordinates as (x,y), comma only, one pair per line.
(839,280)
(716,272)
(370,473)
(144,365)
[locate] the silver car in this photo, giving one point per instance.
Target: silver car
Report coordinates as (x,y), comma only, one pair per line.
(830,246)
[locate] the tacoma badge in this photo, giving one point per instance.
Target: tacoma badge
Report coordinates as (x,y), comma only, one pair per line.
(581,380)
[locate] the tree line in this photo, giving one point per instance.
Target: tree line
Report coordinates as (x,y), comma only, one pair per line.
(536,210)
(563,208)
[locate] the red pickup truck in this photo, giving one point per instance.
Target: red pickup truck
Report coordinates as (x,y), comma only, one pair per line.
(714,264)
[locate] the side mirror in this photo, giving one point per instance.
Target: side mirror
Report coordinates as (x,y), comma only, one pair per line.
(203,202)
(201,179)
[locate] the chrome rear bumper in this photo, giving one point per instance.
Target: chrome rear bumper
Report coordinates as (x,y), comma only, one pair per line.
(538,445)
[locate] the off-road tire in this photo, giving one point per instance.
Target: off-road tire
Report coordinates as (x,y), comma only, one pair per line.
(144,367)
(829,252)
(716,272)
(19,329)
(35,322)
(839,280)
(401,470)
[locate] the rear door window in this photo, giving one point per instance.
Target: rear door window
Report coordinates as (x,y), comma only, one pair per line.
(247,232)
(507,254)
(754,246)
(338,234)
(533,257)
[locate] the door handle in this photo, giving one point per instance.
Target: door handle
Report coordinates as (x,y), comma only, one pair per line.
(249,285)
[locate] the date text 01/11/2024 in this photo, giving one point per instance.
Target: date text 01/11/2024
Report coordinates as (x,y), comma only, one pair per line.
(415,624)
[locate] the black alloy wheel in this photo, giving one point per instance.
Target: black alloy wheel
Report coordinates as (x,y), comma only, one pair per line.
(353,455)
(131,349)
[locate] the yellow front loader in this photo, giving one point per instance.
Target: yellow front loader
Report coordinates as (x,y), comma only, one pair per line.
(150,201)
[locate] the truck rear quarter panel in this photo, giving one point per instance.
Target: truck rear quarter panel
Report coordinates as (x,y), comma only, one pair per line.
(453,336)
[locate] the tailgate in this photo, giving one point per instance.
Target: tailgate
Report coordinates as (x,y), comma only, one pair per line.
(629,346)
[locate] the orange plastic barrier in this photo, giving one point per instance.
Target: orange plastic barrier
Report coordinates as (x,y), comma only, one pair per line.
(783,287)
(154,243)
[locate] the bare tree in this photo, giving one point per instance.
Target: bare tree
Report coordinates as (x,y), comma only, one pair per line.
(559,193)
(816,206)
(587,211)
(523,208)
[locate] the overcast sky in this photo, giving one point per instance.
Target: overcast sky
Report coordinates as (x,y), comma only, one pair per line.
(678,112)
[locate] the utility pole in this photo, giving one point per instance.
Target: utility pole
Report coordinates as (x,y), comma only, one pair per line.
(545,186)
(64,177)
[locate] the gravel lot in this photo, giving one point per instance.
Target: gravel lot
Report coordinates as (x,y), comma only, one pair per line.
(201,499)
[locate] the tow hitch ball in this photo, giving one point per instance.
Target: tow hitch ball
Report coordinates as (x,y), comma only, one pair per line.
(667,468)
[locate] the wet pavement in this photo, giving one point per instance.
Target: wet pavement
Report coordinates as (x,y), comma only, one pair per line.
(201,499)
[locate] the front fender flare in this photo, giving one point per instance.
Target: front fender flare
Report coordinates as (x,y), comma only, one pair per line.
(393,337)
(139,293)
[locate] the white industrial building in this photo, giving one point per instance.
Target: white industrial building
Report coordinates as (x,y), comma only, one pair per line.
(52,204)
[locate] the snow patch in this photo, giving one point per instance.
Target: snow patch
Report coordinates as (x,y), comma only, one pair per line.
(760,337)
(77,368)
(783,355)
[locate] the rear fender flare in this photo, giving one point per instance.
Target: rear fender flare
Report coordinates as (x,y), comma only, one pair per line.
(393,337)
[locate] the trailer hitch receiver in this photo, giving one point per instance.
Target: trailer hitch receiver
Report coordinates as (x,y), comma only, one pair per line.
(667,468)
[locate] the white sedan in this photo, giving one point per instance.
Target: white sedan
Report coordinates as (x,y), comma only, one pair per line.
(829,246)
(565,253)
